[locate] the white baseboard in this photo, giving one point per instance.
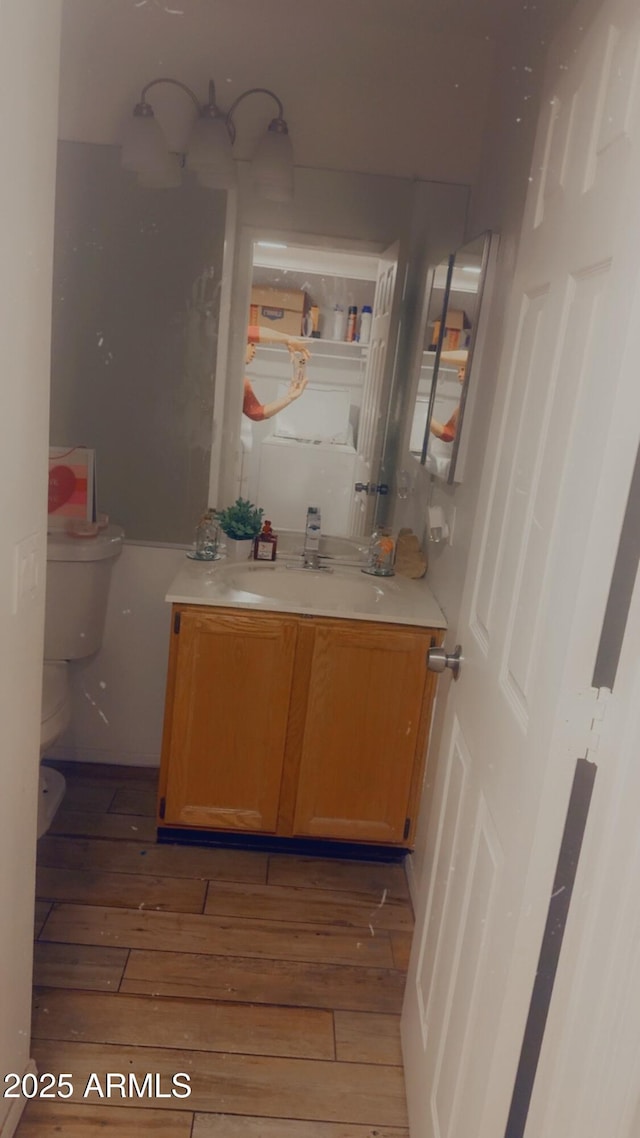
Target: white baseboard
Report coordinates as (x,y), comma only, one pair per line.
(10,1124)
(98,755)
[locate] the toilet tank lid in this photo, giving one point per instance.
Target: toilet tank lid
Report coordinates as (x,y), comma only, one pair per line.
(65,547)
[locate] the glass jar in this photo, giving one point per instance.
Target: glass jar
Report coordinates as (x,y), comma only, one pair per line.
(381,554)
(207,537)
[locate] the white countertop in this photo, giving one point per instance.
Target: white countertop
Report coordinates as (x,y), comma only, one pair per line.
(345,592)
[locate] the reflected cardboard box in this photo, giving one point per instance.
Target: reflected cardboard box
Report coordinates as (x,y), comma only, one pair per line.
(279,309)
(456,332)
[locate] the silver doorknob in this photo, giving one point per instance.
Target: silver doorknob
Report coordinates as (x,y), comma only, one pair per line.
(438,660)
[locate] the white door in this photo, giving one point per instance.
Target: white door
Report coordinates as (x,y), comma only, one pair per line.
(385,326)
(564,435)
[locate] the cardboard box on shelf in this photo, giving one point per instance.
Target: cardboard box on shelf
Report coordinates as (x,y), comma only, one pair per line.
(278,309)
(455,331)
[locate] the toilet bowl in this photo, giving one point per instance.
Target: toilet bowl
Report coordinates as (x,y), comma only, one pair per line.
(78,580)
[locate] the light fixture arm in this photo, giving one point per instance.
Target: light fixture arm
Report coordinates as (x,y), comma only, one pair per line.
(175,83)
(258,91)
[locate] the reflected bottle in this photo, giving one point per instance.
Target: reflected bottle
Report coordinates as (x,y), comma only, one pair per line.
(381,554)
(207,537)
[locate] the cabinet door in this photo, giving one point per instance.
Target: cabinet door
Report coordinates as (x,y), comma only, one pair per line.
(233,677)
(361,732)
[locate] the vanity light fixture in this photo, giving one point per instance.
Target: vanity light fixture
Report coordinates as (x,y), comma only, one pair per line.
(209,149)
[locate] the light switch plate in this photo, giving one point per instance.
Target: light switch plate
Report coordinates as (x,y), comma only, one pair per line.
(28,574)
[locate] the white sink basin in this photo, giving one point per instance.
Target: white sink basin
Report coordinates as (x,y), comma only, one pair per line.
(309,586)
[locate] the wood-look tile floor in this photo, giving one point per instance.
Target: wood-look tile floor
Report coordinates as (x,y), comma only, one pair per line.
(274,981)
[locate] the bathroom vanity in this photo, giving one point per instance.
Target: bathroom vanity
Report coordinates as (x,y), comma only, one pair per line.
(298,705)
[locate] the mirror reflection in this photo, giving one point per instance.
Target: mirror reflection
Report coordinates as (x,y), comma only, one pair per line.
(425,393)
(305,379)
(450,337)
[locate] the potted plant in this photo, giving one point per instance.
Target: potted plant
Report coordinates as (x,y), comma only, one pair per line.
(240,523)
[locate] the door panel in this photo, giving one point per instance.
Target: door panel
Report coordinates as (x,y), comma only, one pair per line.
(231,705)
(558,464)
(366,699)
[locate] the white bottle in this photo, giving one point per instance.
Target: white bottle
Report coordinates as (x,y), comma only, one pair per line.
(365,324)
(338,323)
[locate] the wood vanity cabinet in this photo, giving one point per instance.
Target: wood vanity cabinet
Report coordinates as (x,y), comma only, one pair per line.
(294,726)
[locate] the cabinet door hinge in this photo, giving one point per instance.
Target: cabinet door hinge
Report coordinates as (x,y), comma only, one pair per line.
(162,808)
(407,827)
(176,622)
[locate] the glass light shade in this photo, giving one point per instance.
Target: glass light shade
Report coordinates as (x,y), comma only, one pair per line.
(144,146)
(209,153)
(168,178)
(272,167)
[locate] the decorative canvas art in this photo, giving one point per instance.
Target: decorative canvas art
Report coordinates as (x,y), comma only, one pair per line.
(71,486)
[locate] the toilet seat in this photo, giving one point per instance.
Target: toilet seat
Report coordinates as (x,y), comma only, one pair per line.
(56,709)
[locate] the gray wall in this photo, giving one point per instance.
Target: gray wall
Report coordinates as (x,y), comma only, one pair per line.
(136,299)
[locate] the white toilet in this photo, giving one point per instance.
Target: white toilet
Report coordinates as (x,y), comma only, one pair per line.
(78,579)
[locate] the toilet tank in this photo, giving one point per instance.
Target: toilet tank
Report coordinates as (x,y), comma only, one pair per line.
(78,579)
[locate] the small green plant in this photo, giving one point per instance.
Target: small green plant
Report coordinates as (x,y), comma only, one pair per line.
(241,520)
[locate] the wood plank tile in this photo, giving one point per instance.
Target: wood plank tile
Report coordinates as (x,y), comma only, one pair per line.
(78,824)
(41,912)
(162,861)
(135,799)
(78,966)
(92,1017)
(92,795)
(401,946)
(184,932)
(364,1038)
(245,1084)
(310,906)
(46,1119)
(368,877)
(125,890)
(235,1126)
(263,981)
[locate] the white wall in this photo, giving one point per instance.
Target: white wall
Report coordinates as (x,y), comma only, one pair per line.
(363,84)
(29,46)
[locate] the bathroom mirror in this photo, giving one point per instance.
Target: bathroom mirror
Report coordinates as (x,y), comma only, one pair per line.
(450,343)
